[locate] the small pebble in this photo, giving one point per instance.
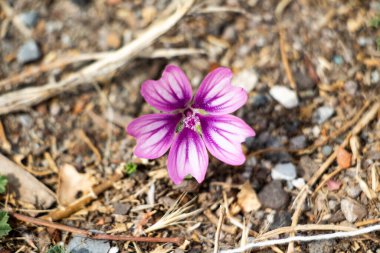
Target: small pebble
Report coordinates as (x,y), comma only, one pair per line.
(260,100)
(121,208)
(375,77)
(298,183)
(352,210)
(327,150)
(316,131)
(353,190)
(246,79)
(273,196)
(285,96)
(304,82)
(343,158)
(298,142)
(333,204)
(284,171)
(321,246)
(308,166)
(82,3)
(351,87)
(281,219)
(113,250)
(28,52)
(55,108)
(113,40)
(29,18)
(338,60)
(79,244)
(322,114)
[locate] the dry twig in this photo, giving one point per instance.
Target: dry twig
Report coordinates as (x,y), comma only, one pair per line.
(22,99)
(371,113)
(92,235)
(218,230)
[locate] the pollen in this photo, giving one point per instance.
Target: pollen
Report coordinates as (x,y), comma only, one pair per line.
(192,122)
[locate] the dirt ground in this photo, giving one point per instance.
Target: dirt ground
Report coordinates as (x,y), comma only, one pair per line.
(72,137)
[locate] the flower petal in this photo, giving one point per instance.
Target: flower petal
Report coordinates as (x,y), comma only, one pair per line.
(171,92)
(216,95)
(154,133)
(188,155)
(223,134)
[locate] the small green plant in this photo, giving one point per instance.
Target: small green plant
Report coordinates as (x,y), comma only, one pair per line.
(57,249)
(375,21)
(130,168)
(4,226)
(3,184)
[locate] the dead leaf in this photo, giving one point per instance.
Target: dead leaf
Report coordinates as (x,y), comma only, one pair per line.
(25,187)
(247,199)
(72,185)
(343,158)
(333,185)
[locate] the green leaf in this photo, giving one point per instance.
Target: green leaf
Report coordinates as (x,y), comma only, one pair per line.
(130,168)
(57,249)
(375,21)
(4,226)
(3,184)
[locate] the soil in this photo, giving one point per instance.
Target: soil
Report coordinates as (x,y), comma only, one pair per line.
(333,56)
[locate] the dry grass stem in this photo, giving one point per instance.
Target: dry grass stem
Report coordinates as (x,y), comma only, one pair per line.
(24,98)
(175,215)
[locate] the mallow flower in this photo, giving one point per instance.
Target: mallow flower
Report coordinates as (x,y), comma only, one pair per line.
(189,125)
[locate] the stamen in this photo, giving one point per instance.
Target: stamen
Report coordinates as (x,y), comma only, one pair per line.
(191,122)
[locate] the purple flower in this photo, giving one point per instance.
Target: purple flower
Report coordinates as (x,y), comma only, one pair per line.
(191,126)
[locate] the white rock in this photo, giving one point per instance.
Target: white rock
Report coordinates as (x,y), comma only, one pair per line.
(113,250)
(323,113)
(284,171)
(352,210)
(285,96)
(246,79)
(298,183)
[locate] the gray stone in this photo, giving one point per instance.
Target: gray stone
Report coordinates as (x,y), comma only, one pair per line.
(352,210)
(273,196)
(80,244)
(327,150)
(322,246)
(285,96)
(322,114)
(260,100)
(121,208)
(281,219)
(375,77)
(308,166)
(298,142)
(351,87)
(284,171)
(29,18)
(304,82)
(353,190)
(28,52)
(246,79)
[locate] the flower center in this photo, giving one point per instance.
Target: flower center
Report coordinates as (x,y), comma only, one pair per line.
(191,121)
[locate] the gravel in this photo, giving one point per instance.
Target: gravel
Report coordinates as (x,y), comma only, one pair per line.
(322,114)
(284,171)
(273,196)
(285,96)
(28,52)
(80,244)
(352,210)
(30,18)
